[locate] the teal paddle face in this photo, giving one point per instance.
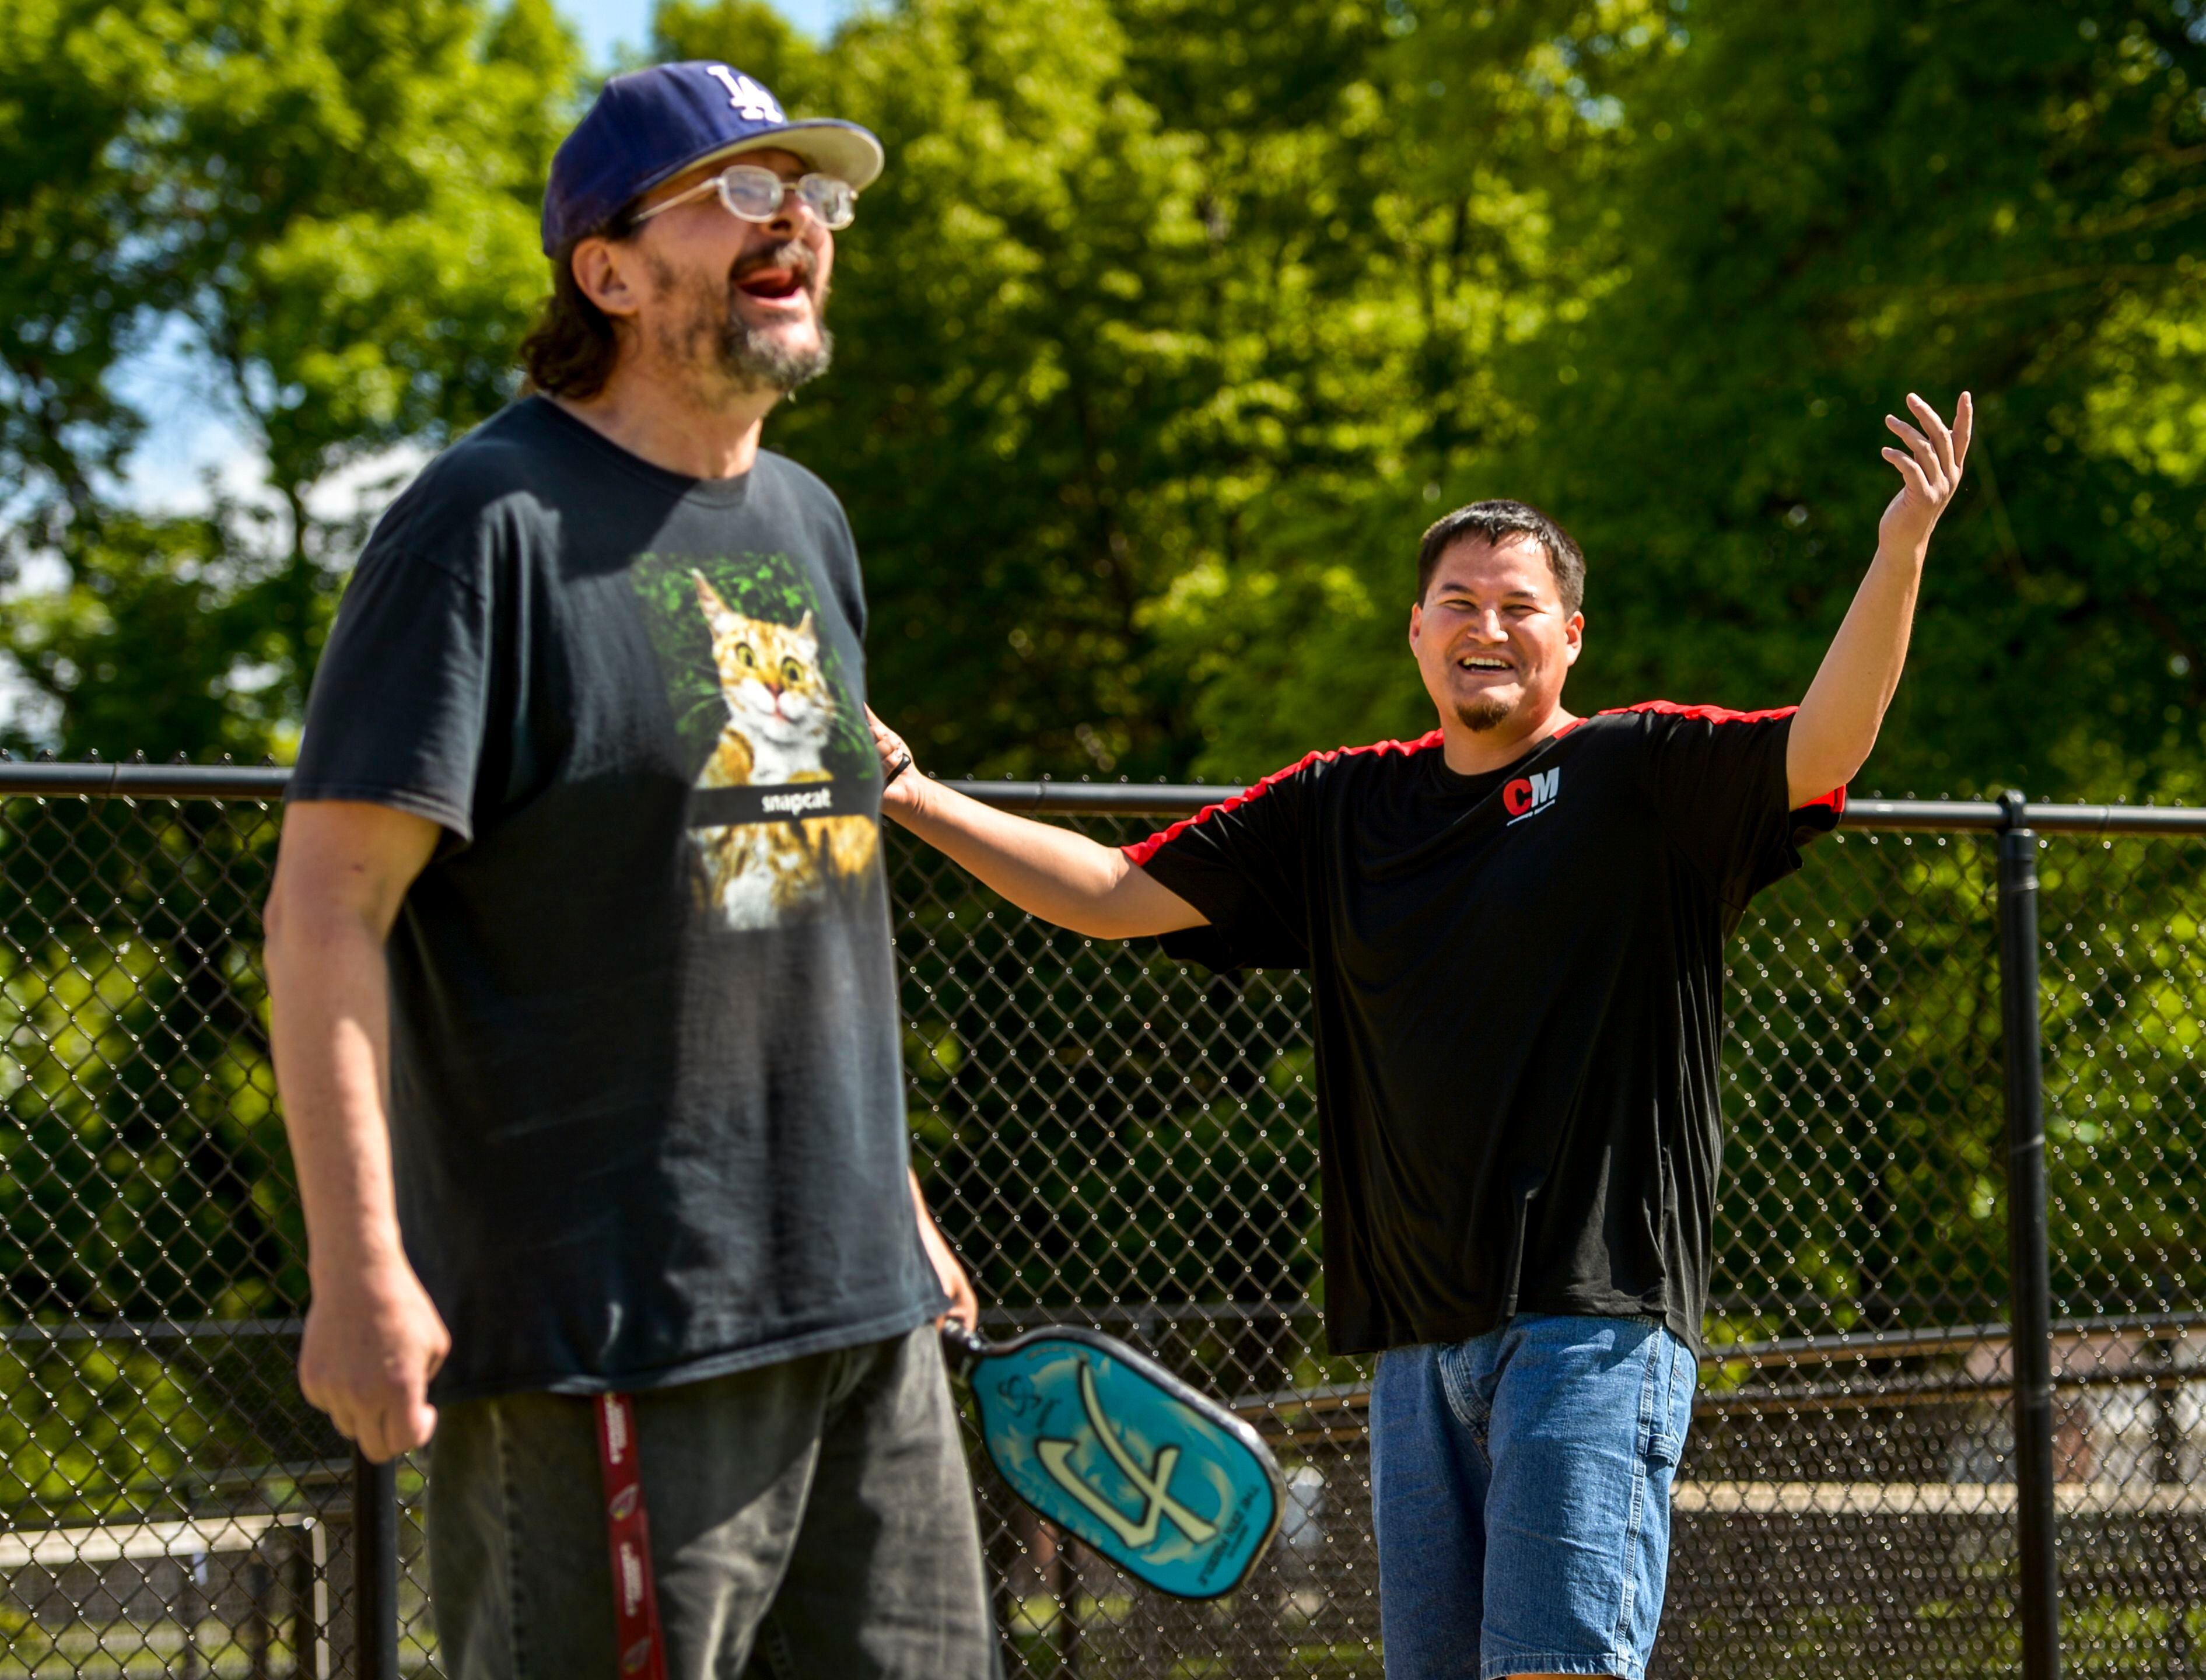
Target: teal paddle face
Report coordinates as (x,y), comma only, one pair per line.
(1175,1491)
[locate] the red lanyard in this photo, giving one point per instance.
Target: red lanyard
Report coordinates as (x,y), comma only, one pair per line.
(628,1539)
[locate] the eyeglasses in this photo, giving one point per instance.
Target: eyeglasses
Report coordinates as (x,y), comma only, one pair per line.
(754,192)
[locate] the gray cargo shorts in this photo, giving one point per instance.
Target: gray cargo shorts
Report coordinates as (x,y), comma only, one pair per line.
(811,1520)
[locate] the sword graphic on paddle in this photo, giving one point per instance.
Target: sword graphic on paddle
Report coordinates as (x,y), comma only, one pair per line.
(1112,1448)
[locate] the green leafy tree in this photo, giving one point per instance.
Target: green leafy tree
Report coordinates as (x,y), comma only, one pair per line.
(1137,300)
(1826,210)
(1014,318)
(328,207)
(1796,216)
(1417,199)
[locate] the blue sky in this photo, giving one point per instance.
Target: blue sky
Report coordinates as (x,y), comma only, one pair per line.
(605,22)
(189,436)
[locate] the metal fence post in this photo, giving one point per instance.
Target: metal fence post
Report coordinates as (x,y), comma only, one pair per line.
(2030,1271)
(375,1566)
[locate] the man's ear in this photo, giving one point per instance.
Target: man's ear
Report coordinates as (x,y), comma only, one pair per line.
(610,276)
(1416,623)
(1575,631)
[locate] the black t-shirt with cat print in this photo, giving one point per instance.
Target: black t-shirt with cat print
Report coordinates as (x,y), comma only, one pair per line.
(646,1100)
(1517,982)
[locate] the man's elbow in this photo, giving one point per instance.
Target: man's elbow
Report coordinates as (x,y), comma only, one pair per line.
(1142,919)
(1115,927)
(304,924)
(1817,779)
(279,924)
(1092,921)
(1817,761)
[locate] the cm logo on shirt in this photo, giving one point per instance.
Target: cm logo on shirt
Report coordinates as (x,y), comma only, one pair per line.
(1528,795)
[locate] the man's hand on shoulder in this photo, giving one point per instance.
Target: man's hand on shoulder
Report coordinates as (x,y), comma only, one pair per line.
(1929,471)
(901,791)
(374,1339)
(1053,873)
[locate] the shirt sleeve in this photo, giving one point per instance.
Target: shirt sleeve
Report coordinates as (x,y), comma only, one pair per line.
(1241,863)
(1720,783)
(850,580)
(397,713)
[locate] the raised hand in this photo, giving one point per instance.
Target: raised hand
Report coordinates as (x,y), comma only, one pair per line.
(1929,471)
(1844,707)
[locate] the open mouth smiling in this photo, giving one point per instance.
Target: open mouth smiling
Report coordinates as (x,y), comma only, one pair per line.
(771,285)
(1483,662)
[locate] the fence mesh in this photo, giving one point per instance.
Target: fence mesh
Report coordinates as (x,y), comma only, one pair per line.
(1115,1139)
(2123,997)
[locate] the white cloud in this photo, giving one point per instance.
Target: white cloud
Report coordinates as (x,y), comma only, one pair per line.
(367,485)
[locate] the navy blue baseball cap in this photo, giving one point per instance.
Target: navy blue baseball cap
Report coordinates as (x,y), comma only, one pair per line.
(649,126)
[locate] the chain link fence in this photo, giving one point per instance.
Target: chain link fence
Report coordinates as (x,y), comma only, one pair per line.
(1115,1139)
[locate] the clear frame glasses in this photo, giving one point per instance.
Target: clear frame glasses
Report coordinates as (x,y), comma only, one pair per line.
(753,193)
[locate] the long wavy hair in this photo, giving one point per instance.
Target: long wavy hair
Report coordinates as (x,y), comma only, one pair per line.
(571,349)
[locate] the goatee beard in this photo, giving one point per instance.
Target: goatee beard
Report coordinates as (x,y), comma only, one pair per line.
(1484,713)
(712,338)
(756,359)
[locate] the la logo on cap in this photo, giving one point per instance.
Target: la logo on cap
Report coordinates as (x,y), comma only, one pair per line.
(752,102)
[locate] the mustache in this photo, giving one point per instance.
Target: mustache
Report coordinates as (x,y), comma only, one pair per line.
(793,254)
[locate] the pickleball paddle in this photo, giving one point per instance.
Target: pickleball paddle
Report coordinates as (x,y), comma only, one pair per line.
(1115,1450)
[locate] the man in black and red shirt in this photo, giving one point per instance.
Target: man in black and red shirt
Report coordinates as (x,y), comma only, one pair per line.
(1514,929)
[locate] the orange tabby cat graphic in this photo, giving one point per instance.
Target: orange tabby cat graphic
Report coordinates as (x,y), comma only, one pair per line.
(781,713)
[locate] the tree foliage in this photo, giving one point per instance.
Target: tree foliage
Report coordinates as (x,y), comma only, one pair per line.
(1169,325)
(1822,210)
(326,210)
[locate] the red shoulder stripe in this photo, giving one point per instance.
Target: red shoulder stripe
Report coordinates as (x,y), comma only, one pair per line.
(1713,714)
(1142,851)
(1834,801)
(1707,714)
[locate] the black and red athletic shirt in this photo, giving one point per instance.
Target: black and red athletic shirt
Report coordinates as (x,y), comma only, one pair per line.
(1518,979)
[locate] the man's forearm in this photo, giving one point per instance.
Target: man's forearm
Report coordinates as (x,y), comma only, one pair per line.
(1062,877)
(329,1026)
(374,1339)
(1839,716)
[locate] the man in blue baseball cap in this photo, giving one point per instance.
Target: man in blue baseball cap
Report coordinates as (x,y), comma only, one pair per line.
(579,959)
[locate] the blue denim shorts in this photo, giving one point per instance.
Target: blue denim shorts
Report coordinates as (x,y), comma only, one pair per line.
(1520,1483)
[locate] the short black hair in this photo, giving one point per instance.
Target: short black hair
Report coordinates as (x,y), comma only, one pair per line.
(1495,521)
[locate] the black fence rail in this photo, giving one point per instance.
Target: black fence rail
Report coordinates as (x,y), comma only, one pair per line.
(1952,1422)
